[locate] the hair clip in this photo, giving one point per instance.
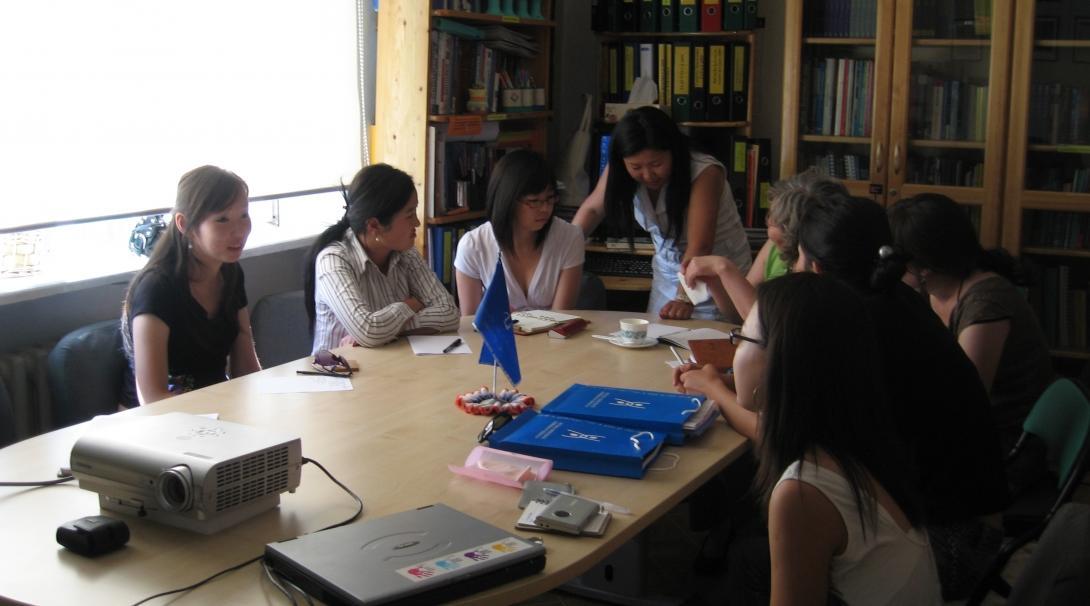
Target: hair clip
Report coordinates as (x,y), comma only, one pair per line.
(885,251)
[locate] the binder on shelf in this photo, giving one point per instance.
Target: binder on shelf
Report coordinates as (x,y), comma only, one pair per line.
(630,68)
(734,15)
(760,180)
(698,102)
(679,104)
(656,411)
(668,16)
(629,15)
(749,21)
(613,73)
(718,74)
(666,69)
(688,16)
(711,16)
(580,445)
(739,87)
(649,15)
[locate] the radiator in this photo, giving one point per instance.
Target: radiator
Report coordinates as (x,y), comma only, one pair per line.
(26,379)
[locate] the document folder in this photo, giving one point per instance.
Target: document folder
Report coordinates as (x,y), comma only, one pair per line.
(656,411)
(580,445)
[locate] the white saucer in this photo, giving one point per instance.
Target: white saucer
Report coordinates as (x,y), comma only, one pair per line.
(648,342)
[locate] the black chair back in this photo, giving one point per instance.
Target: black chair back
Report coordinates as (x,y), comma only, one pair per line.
(86,373)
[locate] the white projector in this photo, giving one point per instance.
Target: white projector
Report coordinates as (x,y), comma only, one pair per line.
(185,470)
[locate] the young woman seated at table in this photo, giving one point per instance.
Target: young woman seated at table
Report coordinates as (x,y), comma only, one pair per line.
(970,290)
(184,320)
(542,255)
(730,287)
(681,197)
(842,519)
(365,284)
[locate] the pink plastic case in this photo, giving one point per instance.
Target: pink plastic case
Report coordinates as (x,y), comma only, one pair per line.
(502,467)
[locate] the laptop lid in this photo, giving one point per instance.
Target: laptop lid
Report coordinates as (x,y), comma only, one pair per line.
(417,556)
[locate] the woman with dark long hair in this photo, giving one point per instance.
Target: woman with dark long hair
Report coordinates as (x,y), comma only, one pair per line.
(681,197)
(542,255)
(972,292)
(364,281)
(842,517)
(184,319)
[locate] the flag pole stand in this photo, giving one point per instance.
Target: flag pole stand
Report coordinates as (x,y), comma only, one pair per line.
(495,366)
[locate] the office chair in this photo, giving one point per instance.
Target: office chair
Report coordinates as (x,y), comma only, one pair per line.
(7,417)
(592,292)
(86,371)
(280,328)
(1061,419)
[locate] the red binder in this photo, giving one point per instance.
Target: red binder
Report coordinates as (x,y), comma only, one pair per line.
(711,16)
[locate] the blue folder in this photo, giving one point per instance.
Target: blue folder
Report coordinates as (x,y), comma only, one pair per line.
(656,411)
(579,445)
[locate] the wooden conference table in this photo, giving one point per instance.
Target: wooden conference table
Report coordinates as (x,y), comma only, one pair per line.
(389,440)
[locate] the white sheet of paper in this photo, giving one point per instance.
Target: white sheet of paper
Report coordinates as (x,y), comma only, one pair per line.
(303,384)
(697,293)
(433,345)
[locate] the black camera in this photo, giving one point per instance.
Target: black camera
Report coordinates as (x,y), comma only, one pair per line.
(146,234)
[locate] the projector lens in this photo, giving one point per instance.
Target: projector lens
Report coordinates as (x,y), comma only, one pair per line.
(175,489)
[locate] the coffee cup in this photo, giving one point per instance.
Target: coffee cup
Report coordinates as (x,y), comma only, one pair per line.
(633,330)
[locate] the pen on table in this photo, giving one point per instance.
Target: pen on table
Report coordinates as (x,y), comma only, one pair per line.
(320,373)
(676,355)
(450,348)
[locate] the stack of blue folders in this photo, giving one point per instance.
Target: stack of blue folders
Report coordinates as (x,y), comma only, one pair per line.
(676,415)
(606,430)
(580,445)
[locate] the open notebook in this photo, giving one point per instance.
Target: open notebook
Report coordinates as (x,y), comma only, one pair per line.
(681,339)
(538,320)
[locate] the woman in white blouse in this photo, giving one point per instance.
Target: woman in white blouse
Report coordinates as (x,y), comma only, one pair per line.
(365,284)
(542,255)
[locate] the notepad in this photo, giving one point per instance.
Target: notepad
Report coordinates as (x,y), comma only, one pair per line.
(538,320)
(681,339)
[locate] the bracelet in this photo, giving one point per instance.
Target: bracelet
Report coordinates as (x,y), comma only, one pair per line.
(484,402)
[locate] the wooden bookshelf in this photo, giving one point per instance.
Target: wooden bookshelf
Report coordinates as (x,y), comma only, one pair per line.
(456,217)
(898,161)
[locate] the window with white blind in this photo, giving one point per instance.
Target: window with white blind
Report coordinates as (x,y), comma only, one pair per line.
(104,104)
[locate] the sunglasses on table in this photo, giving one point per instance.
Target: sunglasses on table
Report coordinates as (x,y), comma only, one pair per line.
(330,363)
(493,425)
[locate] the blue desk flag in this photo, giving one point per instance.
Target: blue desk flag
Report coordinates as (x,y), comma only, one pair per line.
(493,321)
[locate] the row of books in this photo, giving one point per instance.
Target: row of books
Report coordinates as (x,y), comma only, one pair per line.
(1060,303)
(442,246)
(524,9)
(945,171)
(457,64)
(952,19)
(851,167)
(460,166)
(838,96)
(1059,114)
(947,109)
(1064,175)
(696,82)
(673,15)
(1053,229)
(841,18)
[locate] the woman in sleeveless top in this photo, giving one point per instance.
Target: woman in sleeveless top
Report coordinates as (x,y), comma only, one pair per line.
(679,196)
(842,517)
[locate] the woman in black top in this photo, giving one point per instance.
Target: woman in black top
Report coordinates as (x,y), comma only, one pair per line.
(184,319)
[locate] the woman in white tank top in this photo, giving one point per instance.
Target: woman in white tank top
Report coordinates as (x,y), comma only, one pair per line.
(842,519)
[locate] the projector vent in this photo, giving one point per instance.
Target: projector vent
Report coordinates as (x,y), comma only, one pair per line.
(244,480)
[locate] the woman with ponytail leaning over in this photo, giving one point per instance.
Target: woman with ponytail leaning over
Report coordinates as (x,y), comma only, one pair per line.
(365,283)
(184,320)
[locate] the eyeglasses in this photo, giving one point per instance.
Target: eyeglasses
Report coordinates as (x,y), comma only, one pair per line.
(536,203)
(735,335)
(493,425)
(328,362)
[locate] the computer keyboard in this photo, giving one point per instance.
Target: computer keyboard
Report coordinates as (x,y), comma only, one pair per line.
(617,264)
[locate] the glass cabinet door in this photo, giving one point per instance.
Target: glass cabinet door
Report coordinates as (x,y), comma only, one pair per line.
(842,88)
(950,88)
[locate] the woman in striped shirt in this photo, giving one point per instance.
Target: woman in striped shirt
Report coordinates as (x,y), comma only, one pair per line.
(365,282)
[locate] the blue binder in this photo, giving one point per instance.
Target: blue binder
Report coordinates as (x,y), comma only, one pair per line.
(580,445)
(656,411)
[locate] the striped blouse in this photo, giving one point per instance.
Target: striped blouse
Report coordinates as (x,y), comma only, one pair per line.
(353,297)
